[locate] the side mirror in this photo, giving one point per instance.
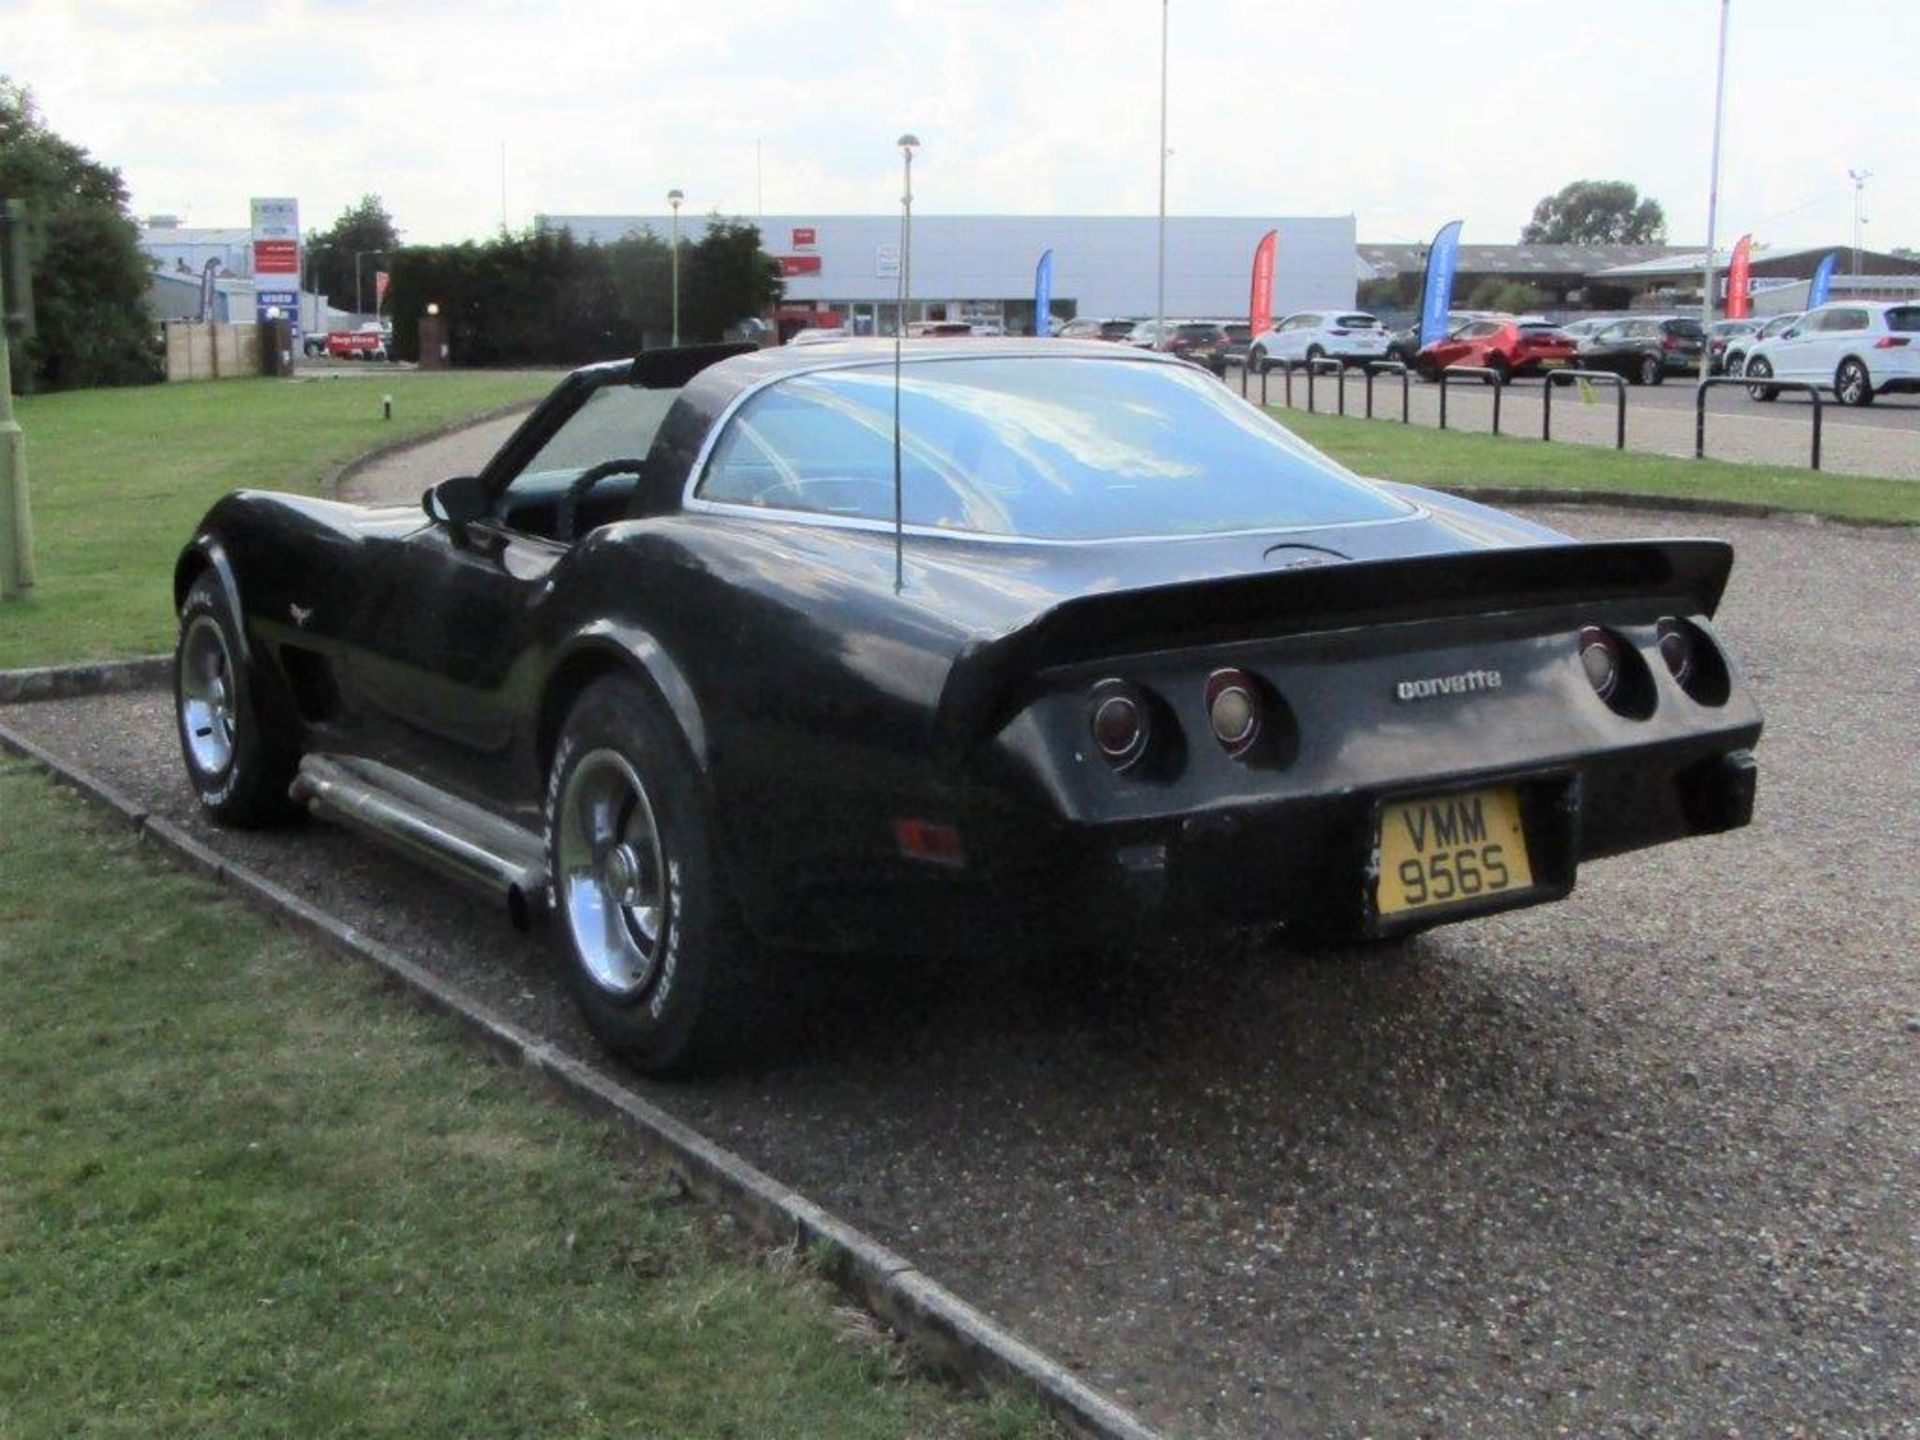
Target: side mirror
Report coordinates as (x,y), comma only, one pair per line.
(456,502)
(1790,332)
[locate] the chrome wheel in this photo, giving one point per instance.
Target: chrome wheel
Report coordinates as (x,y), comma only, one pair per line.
(208,698)
(612,874)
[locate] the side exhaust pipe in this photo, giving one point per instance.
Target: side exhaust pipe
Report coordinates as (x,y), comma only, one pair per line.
(448,834)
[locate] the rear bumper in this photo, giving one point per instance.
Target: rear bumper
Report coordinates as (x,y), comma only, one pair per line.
(1308,862)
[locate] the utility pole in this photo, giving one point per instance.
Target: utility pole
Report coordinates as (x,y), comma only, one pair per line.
(1713,187)
(16,521)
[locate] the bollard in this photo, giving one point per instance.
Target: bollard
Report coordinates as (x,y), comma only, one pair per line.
(1811,391)
(386,407)
(1592,377)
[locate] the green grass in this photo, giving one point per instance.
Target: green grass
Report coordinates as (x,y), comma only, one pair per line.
(245,1192)
(120,477)
(1447,458)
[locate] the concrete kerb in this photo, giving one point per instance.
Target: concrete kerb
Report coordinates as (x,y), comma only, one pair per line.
(66,682)
(331,482)
(944,1330)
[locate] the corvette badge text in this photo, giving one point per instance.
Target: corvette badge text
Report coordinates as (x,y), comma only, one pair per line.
(1465,683)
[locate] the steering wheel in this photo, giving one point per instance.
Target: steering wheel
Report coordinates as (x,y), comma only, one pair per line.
(569,510)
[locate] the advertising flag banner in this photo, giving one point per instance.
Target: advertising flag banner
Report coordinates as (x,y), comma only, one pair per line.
(1436,291)
(1043,295)
(381,279)
(1740,280)
(1260,300)
(1822,284)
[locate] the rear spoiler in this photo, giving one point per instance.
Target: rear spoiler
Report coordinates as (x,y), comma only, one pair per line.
(1691,575)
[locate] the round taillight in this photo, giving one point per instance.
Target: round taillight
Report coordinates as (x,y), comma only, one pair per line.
(1676,648)
(1120,723)
(1233,710)
(1600,658)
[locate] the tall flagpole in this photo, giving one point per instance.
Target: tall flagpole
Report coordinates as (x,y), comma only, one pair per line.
(1713,188)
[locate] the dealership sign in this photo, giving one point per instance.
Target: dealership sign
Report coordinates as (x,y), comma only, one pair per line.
(276,256)
(798,264)
(805,237)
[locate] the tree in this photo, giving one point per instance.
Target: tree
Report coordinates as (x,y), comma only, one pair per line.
(1597,212)
(725,278)
(362,229)
(541,297)
(89,275)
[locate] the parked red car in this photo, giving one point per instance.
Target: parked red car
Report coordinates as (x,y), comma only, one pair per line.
(1504,345)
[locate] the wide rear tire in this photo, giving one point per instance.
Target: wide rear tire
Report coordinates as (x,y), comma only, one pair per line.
(654,952)
(1760,368)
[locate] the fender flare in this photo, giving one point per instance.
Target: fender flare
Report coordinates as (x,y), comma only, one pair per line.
(614,645)
(207,552)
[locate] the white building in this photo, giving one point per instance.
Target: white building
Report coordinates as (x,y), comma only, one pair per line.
(845,268)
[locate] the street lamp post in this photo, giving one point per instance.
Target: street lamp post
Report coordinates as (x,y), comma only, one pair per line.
(1859,178)
(674,197)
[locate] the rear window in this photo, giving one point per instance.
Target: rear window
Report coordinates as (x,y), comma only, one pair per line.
(1040,447)
(1198,332)
(1359,322)
(1904,320)
(1689,328)
(1239,332)
(1111,328)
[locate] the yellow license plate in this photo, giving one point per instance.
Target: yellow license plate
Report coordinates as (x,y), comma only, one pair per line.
(1448,849)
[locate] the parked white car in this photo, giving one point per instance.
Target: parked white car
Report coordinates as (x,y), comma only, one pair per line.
(1352,336)
(1858,349)
(1734,362)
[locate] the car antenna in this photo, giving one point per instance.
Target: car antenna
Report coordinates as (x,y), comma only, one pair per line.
(908,144)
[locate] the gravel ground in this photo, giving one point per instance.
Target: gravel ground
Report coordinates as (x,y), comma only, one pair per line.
(1882,440)
(1644,1163)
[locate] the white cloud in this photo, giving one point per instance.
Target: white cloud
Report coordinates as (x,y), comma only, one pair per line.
(1404,112)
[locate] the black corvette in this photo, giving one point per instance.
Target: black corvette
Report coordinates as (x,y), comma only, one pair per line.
(733,655)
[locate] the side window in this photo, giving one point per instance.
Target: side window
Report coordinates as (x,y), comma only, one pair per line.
(1846,320)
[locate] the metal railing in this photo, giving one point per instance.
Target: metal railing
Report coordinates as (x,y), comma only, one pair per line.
(1391,367)
(1591,377)
(1811,391)
(1321,366)
(1485,374)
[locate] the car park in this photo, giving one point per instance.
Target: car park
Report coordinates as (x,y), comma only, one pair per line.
(1504,345)
(819,335)
(1720,337)
(1239,340)
(1645,349)
(719,668)
(1091,329)
(1404,344)
(1204,342)
(1350,336)
(1734,360)
(1586,326)
(1857,349)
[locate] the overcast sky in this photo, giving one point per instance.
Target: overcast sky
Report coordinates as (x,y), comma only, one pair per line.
(1403,113)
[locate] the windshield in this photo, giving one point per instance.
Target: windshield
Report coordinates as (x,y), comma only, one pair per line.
(616,422)
(1049,449)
